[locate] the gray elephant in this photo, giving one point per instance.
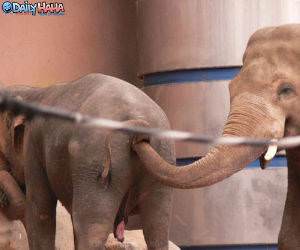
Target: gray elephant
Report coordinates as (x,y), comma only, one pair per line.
(62,161)
(93,172)
(265,103)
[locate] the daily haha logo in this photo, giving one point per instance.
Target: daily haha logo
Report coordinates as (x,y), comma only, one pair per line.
(41,8)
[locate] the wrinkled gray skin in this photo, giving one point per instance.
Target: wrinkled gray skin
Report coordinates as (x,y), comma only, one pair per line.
(58,160)
(264,103)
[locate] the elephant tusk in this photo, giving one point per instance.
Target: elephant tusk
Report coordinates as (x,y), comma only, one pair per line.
(268,156)
(271,152)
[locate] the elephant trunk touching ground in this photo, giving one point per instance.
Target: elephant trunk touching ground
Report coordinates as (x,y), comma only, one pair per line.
(249,116)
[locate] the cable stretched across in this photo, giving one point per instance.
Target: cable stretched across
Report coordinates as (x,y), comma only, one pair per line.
(31,110)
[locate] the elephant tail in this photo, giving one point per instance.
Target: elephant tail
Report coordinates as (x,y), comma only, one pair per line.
(164,148)
(105,173)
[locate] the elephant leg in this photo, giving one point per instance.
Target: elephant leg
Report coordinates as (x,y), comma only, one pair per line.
(155,210)
(93,214)
(289,237)
(40,215)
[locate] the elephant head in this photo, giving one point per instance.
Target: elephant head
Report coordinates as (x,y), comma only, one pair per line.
(264,103)
(12,128)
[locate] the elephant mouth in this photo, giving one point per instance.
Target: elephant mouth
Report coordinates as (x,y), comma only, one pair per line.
(272,150)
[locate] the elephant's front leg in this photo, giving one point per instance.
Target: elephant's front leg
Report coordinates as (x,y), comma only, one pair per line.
(40,211)
(289,237)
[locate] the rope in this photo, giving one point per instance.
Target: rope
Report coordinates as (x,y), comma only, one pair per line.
(31,110)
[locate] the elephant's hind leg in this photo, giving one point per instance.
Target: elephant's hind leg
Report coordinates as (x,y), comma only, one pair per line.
(155,212)
(93,217)
(95,205)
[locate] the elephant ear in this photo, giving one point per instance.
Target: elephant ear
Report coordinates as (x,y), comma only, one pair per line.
(18,132)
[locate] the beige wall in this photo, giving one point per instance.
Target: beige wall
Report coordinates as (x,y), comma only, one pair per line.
(93,36)
(199,107)
(189,34)
(243,209)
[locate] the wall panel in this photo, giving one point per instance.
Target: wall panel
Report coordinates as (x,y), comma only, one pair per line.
(176,34)
(243,209)
(199,107)
(93,36)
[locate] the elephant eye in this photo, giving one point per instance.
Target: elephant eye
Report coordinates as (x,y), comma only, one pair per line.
(286,89)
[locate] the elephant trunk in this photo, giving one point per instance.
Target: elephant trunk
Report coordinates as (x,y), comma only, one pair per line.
(15,209)
(249,116)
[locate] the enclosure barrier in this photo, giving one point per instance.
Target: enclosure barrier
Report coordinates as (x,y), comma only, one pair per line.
(31,110)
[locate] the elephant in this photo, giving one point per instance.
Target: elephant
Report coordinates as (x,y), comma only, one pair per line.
(264,103)
(93,172)
(137,173)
